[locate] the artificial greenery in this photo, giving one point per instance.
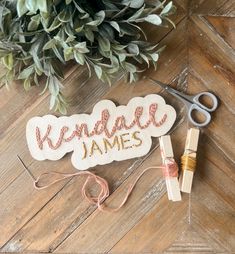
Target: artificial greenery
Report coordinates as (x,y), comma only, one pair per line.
(37,37)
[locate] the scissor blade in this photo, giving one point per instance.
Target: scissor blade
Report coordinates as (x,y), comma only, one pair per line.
(165,87)
(162,85)
(172,91)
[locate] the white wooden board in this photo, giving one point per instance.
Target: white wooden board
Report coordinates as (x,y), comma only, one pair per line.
(109,133)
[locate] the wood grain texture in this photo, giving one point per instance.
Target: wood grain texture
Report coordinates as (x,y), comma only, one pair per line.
(116,94)
(200,53)
(225,27)
(212,7)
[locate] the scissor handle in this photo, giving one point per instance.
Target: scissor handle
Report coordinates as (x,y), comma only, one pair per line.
(196,100)
(203,112)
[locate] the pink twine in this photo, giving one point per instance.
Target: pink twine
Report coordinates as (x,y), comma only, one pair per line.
(170,169)
(104,188)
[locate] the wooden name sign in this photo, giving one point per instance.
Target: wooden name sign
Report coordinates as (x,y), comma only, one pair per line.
(109,133)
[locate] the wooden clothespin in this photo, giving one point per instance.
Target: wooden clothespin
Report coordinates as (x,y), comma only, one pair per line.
(188,160)
(170,174)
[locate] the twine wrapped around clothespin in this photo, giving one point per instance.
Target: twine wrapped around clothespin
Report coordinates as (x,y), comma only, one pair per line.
(170,170)
(188,160)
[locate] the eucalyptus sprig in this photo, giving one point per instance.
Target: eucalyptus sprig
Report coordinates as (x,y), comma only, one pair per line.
(38,36)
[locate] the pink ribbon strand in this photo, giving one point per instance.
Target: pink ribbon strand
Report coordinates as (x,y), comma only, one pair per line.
(103,194)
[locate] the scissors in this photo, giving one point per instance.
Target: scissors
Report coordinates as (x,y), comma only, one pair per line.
(193,103)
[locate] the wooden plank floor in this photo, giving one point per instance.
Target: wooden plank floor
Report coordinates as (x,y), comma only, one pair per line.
(201,52)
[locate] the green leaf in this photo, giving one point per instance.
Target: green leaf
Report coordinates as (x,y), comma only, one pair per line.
(155,3)
(59,54)
(52,101)
(8,61)
(133,49)
(115,25)
(34,5)
(70,38)
(84,16)
(112,70)
(104,43)
(118,46)
(154,65)
(42,5)
(129,67)
(38,71)
(100,16)
(133,3)
(153,19)
(98,19)
(21,8)
(53,86)
(55,24)
(150,47)
(64,16)
(79,29)
(161,49)
(105,78)
(34,23)
(107,31)
(35,79)
(26,72)
(128,29)
(137,14)
(57,69)
(78,7)
(132,77)
(31,5)
(27,84)
(145,58)
(61,104)
(98,71)
(79,57)
(155,57)
(81,47)
(50,44)
(68,54)
(93,23)
(121,57)
(44,21)
(167,8)
(62,109)
(114,61)
(170,21)
(45,87)
(89,34)
(37,62)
